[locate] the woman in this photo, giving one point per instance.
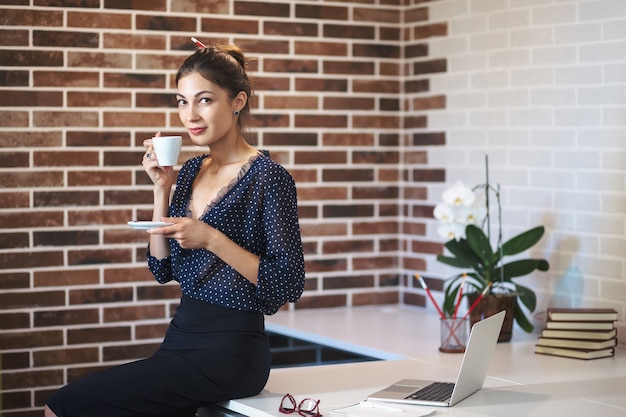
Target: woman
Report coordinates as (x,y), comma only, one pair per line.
(234,247)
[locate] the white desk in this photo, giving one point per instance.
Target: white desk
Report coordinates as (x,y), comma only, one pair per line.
(520,383)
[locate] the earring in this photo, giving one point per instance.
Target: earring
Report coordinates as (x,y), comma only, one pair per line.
(236,112)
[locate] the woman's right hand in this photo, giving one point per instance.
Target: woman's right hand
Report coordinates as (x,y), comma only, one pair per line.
(160,176)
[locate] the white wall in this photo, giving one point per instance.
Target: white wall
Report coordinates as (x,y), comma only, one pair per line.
(539,86)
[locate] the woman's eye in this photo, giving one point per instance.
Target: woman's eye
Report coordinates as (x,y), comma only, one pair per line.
(205,100)
(181,102)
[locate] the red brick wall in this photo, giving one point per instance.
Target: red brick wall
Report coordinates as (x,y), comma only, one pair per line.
(339,90)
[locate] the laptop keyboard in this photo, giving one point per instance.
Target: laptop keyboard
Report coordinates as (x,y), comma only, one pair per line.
(437,391)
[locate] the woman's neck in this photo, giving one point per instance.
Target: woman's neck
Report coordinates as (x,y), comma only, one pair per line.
(223,156)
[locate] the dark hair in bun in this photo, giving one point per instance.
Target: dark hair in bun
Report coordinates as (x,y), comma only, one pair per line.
(223,65)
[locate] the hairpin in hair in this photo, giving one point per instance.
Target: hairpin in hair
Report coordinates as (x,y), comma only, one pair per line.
(198,43)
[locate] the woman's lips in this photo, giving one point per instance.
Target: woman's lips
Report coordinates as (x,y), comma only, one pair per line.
(197,130)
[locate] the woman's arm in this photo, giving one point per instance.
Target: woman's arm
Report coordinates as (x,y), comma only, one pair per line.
(241,260)
(163,178)
(281,270)
(194,234)
(159,246)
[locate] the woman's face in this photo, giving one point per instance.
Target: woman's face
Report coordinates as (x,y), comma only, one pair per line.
(205,109)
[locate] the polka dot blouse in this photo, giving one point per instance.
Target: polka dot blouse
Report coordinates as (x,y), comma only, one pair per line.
(258,211)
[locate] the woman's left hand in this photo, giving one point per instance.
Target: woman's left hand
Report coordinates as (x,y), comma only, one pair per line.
(189,233)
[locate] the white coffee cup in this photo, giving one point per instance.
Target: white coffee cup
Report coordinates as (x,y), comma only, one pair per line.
(167,149)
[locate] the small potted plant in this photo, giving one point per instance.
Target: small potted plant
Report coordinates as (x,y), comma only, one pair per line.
(464,217)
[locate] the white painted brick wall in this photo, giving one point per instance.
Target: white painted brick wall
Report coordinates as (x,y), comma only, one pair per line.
(540,87)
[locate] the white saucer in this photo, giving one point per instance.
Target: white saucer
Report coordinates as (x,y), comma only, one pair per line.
(143,225)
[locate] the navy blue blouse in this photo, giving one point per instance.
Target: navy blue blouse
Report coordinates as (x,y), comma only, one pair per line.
(259,213)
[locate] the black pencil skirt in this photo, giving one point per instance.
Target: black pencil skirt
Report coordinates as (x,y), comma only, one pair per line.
(209,354)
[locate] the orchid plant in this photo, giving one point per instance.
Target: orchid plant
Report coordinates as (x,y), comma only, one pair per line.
(463,216)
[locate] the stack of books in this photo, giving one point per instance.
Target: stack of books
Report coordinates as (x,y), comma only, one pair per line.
(582,333)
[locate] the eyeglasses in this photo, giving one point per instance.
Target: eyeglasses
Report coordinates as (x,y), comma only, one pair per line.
(307,407)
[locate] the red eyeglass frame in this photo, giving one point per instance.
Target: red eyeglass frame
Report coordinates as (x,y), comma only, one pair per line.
(314,412)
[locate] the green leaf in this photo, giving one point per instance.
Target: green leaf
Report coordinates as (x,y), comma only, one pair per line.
(450,296)
(473,283)
(523,241)
(457,263)
(522,267)
(526,296)
(479,243)
(522,320)
(543,265)
(463,252)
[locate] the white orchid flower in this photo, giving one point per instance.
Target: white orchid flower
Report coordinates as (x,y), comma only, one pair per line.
(478,210)
(464,215)
(443,212)
(451,231)
(459,208)
(458,195)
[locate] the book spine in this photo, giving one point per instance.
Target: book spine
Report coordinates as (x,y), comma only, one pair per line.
(579,334)
(573,353)
(582,314)
(580,325)
(577,343)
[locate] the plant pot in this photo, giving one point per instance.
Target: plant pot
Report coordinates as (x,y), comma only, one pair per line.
(492,304)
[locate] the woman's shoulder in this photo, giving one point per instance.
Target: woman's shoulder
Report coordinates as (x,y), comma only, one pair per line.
(264,165)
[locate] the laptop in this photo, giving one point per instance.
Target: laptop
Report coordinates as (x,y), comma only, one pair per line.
(480,346)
